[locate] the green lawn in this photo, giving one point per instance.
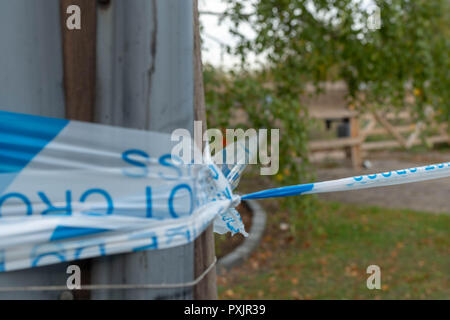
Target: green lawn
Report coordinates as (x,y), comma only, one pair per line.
(324,255)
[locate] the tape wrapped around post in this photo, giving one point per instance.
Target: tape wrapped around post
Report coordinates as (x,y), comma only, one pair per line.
(71,190)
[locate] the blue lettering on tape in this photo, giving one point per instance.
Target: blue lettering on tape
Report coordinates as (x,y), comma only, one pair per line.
(25,200)
(66,210)
(109,201)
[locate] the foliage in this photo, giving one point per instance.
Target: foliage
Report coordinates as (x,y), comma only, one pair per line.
(310,42)
(264,108)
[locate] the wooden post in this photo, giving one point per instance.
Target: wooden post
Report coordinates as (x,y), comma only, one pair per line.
(204,249)
(356,149)
(145,80)
(140,110)
(79,65)
(139,73)
(79,51)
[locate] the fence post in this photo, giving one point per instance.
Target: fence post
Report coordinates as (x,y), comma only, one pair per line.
(204,244)
(145,79)
(145,70)
(356,149)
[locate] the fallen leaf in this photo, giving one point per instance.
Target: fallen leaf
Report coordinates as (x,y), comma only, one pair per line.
(229,293)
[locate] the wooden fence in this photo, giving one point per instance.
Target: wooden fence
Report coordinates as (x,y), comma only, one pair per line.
(376,130)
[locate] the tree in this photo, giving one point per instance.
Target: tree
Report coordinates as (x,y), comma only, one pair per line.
(310,42)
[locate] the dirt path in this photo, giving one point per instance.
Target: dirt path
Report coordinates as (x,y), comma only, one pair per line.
(429,196)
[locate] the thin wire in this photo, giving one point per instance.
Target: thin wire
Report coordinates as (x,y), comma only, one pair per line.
(117,286)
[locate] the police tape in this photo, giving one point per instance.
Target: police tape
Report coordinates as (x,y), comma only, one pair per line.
(71,190)
(429,172)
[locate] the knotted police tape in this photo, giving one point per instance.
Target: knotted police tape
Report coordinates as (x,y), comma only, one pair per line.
(71,190)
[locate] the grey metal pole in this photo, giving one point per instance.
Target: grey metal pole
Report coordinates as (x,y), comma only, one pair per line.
(145,80)
(31,81)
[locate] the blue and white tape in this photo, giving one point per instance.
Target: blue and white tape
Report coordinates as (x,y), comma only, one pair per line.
(71,190)
(429,172)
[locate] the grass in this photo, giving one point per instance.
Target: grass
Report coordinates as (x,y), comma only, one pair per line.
(324,255)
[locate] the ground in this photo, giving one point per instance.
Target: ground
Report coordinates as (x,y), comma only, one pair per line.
(324,254)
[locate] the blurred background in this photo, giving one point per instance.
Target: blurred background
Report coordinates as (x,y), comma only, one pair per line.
(355,87)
